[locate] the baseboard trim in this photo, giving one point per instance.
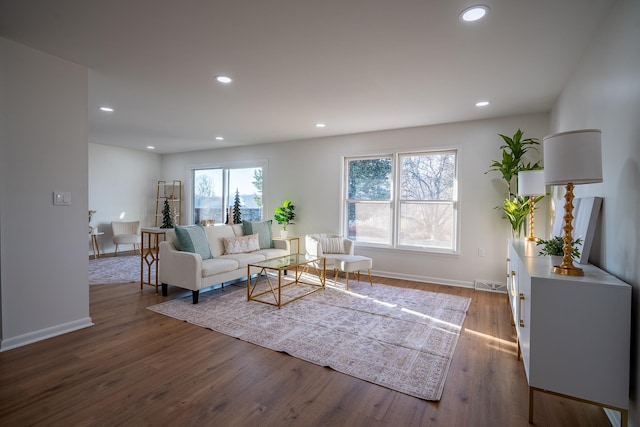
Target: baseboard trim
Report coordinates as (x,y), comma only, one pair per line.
(44,334)
(423,279)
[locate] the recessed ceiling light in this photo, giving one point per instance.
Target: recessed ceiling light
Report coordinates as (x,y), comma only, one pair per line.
(482,103)
(474,13)
(219,138)
(151,147)
(320,125)
(106,109)
(223,79)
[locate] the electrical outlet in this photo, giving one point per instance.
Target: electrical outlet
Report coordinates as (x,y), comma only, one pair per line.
(480,251)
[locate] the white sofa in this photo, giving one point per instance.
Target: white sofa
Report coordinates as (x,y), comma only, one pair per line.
(189,271)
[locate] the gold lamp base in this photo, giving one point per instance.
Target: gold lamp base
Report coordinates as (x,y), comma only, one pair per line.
(532,206)
(567,268)
(571,270)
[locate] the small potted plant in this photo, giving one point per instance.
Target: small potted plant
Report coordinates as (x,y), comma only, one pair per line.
(554,248)
(284,215)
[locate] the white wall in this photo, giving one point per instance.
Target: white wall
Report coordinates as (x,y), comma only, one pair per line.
(122,187)
(43,261)
(604,93)
(310,174)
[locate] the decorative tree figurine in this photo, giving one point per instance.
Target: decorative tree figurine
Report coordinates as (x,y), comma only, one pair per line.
(236,209)
(167,221)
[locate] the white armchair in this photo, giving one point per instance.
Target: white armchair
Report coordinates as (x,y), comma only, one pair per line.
(126,233)
(329,246)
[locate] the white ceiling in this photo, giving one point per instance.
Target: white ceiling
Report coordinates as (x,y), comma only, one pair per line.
(357,65)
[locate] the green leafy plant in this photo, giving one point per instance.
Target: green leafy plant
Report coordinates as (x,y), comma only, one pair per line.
(284,215)
(514,149)
(516,210)
(554,246)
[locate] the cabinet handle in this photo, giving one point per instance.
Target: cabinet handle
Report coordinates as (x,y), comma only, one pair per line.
(520,321)
(508,261)
(513,284)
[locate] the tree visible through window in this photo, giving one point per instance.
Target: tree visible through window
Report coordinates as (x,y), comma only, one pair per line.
(402,200)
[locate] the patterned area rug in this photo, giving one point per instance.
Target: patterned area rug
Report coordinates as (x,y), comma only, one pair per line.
(109,269)
(399,338)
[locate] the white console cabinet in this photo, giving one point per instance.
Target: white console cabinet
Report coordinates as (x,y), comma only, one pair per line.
(573,332)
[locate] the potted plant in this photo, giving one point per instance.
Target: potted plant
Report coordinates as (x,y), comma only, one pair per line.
(284,215)
(554,248)
(515,208)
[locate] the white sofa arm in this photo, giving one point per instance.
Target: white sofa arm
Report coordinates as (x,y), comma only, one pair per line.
(312,246)
(178,268)
(349,246)
(282,244)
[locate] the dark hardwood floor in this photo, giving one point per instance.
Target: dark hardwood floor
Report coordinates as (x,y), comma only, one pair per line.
(139,368)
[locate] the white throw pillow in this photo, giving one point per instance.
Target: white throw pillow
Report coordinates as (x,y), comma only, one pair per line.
(242,244)
(332,245)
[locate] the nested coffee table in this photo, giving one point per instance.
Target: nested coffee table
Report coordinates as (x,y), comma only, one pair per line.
(272,280)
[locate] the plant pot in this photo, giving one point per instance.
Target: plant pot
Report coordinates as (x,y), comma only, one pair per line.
(556,260)
(284,234)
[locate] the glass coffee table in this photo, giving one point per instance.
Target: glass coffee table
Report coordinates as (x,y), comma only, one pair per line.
(274,287)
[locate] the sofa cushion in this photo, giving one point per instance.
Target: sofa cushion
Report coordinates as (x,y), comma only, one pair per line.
(244,259)
(240,245)
(192,238)
(262,229)
(214,266)
(332,245)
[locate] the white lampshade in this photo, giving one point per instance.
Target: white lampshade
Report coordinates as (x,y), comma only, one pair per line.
(531,183)
(573,157)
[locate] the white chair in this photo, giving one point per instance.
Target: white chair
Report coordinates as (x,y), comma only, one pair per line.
(126,233)
(338,253)
(330,246)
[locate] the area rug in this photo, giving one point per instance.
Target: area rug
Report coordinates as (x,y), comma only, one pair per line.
(109,269)
(399,338)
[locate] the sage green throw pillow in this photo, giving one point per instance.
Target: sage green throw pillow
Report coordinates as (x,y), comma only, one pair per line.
(193,239)
(262,229)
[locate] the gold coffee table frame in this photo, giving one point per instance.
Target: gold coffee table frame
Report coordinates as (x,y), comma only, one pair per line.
(298,263)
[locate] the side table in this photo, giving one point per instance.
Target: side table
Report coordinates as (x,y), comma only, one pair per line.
(94,243)
(149,255)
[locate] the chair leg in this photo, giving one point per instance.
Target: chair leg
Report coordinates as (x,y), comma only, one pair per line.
(369,271)
(116,253)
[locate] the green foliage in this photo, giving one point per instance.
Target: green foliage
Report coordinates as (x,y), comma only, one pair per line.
(237,214)
(167,221)
(554,246)
(513,152)
(514,149)
(284,215)
(369,179)
(516,210)
(257,182)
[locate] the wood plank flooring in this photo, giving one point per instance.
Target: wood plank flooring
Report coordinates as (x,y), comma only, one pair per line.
(139,368)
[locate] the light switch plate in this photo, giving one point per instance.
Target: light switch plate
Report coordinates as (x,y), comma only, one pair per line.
(62,198)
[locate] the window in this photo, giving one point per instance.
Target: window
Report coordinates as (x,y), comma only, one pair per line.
(404,200)
(214,192)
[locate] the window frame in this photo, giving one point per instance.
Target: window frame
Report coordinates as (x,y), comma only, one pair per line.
(396,202)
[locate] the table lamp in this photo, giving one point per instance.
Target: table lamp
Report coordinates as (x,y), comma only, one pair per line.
(571,158)
(531,183)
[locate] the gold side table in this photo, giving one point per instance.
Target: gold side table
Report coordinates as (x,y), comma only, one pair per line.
(94,243)
(149,255)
